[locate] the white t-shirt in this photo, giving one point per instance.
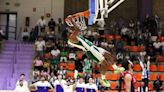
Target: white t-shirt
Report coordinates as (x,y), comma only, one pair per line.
(91,86)
(39,45)
(72,55)
(42,84)
(63,82)
(82,85)
(68,88)
(21,89)
(55,52)
(41,22)
(157,44)
(25,83)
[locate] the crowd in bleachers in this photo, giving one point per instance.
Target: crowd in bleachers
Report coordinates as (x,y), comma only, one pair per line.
(141,42)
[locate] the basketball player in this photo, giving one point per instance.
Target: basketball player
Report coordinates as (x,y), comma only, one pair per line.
(97,54)
(128,77)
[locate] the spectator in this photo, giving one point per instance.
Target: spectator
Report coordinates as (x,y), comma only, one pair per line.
(55,52)
(35,77)
(157,45)
(61,26)
(25,35)
(41,23)
(52,24)
(52,78)
(145,73)
(59,84)
(38,64)
(22,78)
(39,46)
(62,71)
(157,84)
(21,87)
(42,85)
(49,46)
(91,87)
(72,55)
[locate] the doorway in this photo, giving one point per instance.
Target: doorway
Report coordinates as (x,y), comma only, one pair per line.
(8,23)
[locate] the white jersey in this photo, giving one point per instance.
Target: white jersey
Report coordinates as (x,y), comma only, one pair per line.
(59,85)
(80,87)
(42,84)
(24,83)
(21,89)
(91,87)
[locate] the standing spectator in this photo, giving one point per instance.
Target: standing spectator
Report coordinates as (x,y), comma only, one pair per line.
(61,26)
(21,87)
(59,84)
(25,35)
(52,24)
(145,73)
(91,87)
(157,84)
(23,80)
(41,23)
(42,85)
(39,46)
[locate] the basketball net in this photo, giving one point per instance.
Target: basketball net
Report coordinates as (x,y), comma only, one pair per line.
(78,19)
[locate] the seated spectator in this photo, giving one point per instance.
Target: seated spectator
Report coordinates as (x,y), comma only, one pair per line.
(35,77)
(64,54)
(55,55)
(157,45)
(38,63)
(72,55)
(22,78)
(50,34)
(39,46)
(21,87)
(157,84)
(42,86)
(55,52)
(49,46)
(62,71)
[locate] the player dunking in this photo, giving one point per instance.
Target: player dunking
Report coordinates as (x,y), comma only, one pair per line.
(97,54)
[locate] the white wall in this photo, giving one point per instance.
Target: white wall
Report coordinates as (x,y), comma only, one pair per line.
(26,9)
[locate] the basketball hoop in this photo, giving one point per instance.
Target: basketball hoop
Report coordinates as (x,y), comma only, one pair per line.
(78,19)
